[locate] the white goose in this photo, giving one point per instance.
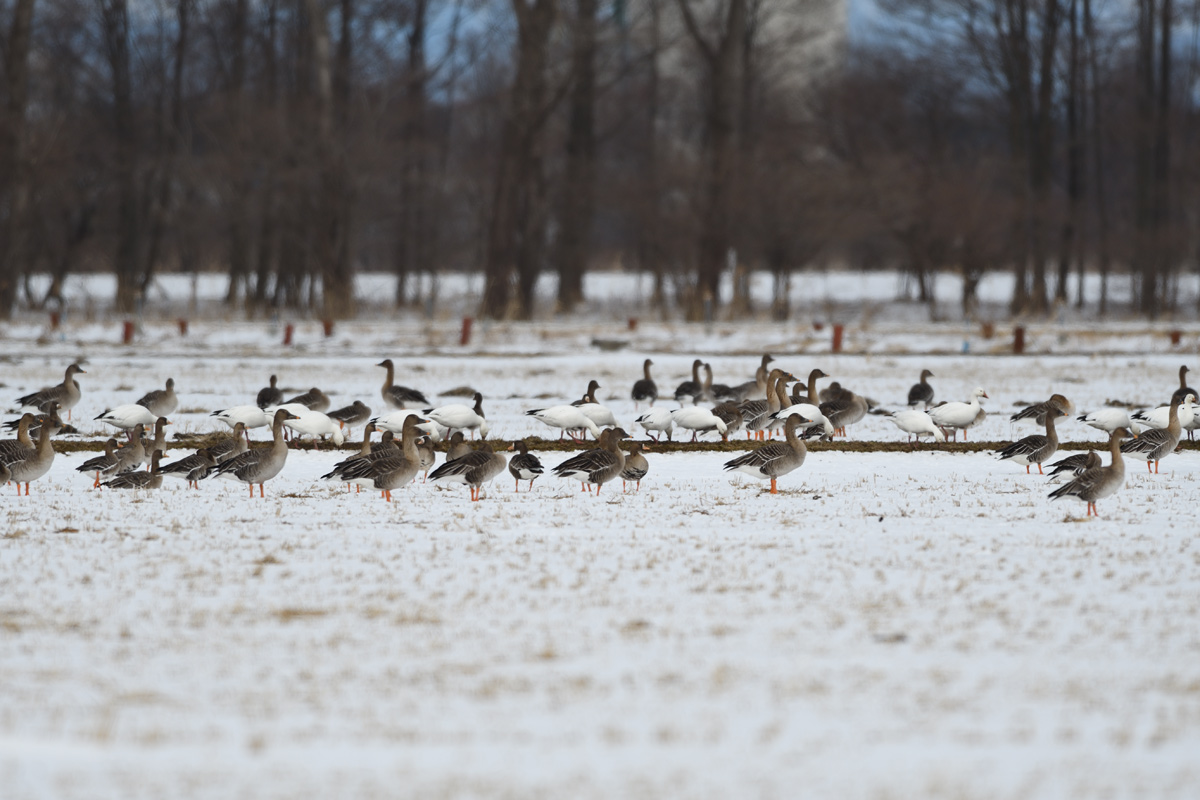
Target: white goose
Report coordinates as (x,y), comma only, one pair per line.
(1108,420)
(658,420)
(394,422)
(810,412)
(916,423)
(566,418)
(460,417)
(128,416)
(595,411)
(1159,418)
(698,420)
(307,422)
(249,416)
(958,415)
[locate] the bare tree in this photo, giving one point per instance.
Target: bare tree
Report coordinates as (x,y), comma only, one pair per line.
(14,195)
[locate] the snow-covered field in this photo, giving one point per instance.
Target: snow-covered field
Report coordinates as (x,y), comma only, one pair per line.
(889,626)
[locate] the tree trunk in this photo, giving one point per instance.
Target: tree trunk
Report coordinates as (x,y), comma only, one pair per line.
(129,234)
(579,189)
(516,229)
(412,244)
(15,193)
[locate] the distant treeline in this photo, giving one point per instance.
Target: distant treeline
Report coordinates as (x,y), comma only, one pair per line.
(291,143)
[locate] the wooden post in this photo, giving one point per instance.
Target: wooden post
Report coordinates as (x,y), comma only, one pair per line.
(127,332)
(633,323)
(1176,338)
(183,326)
(327,325)
(838,330)
(465,338)
(288,331)
(1019,339)
(55,319)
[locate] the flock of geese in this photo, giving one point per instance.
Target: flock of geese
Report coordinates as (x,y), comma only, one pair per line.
(760,407)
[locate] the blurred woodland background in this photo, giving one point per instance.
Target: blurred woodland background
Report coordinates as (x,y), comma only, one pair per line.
(293,143)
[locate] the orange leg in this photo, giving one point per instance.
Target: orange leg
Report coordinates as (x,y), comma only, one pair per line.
(1040,470)
(387,495)
(261,491)
(518,488)
(96,485)
(598,485)
(774,489)
(1148,467)
(1026,469)
(1155,470)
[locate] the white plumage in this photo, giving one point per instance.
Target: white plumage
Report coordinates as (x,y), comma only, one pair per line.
(566,418)
(307,422)
(916,423)
(128,416)
(658,420)
(697,420)
(958,415)
(249,416)
(1108,420)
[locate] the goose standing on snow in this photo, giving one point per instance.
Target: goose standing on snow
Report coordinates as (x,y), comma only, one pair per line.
(567,418)
(386,471)
(65,394)
(133,454)
(1158,443)
(698,420)
(307,422)
(194,468)
(349,416)
(916,424)
(595,411)
(599,465)
(757,388)
(394,422)
(400,397)
(957,416)
(474,469)
(35,463)
(691,391)
(1076,464)
(1099,482)
(247,416)
(636,467)
(262,463)
(314,400)
(269,395)
(774,459)
(756,414)
(810,412)
(1184,390)
(921,393)
(657,420)
(128,416)
(732,416)
(645,390)
(20,447)
(459,417)
(1161,417)
(844,411)
(101,465)
(230,446)
(718,392)
(1035,449)
(1108,420)
(524,466)
(1037,411)
(161,402)
(139,480)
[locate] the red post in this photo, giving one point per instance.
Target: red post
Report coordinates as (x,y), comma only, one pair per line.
(1176,338)
(183,326)
(989,330)
(55,319)
(818,326)
(633,322)
(288,331)
(837,338)
(1019,339)
(465,339)
(127,332)
(327,324)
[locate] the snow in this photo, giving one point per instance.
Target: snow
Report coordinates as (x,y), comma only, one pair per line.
(890,625)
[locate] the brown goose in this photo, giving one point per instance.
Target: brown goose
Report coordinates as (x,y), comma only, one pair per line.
(1075,464)
(139,480)
(457,446)
(269,395)
(921,393)
(810,411)
(1035,449)
(35,464)
(756,413)
(160,435)
(691,391)
(393,470)
(524,466)
(399,396)
(474,469)
(645,390)
(161,402)
(1158,443)
(66,394)
(1037,411)
(1099,482)
(102,465)
(314,400)
(757,388)
(356,413)
(428,455)
(774,459)
(232,446)
(358,465)
(1183,389)
(636,466)
(262,463)
(599,465)
(845,410)
(194,468)
(133,454)
(732,416)
(719,392)
(20,447)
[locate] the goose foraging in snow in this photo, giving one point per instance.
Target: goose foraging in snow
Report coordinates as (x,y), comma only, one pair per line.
(1158,443)
(958,416)
(524,466)
(774,459)
(599,465)
(262,463)
(459,417)
(636,467)
(474,469)
(916,424)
